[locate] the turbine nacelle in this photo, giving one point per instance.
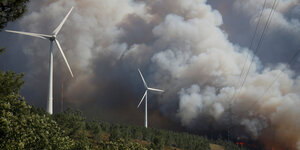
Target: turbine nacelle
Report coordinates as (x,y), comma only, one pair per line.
(147,88)
(52,38)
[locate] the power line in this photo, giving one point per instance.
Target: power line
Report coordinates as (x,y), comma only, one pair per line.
(291,62)
(260,40)
(255,52)
(258,46)
(250,47)
(252,40)
(242,72)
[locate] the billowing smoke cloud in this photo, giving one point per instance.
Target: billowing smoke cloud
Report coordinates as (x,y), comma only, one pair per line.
(181,46)
(240,18)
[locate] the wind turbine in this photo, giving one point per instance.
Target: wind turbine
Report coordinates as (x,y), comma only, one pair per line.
(146,95)
(51,38)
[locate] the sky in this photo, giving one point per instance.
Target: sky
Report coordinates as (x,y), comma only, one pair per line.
(194,49)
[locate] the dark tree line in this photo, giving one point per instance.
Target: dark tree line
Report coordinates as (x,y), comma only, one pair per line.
(10,10)
(157,138)
(96,134)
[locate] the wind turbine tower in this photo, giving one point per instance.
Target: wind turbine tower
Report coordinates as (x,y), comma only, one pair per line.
(146,97)
(51,38)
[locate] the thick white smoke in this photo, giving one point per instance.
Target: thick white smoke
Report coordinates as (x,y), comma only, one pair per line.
(182,48)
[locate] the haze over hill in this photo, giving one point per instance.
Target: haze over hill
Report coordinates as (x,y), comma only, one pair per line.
(192,49)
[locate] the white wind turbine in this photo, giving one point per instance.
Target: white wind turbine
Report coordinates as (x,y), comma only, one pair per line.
(52,38)
(146,95)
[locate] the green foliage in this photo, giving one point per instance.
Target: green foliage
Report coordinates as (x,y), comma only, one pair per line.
(157,143)
(95,129)
(156,139)
(21,127)
(115,133)
(2,50)
(120,144)
(94,126)
(10,83)
(10,10)
(74,125)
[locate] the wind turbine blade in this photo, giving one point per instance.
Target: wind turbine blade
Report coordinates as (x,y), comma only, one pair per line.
(157,90)
(43,36)
(142,99)
(63,54)
(55,32)
(145,84)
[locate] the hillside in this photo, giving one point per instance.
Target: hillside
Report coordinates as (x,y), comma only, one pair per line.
(23,126)
(109,136)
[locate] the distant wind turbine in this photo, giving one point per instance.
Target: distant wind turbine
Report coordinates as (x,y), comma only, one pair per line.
(52,38)
(145,96)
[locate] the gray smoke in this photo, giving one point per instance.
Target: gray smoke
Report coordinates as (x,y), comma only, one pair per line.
(183,47)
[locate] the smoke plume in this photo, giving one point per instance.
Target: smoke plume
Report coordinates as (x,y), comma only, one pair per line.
(193,49)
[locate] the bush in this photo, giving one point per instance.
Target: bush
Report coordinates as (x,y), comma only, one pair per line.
(21,128)
(74,125)
(120,145)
